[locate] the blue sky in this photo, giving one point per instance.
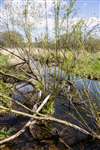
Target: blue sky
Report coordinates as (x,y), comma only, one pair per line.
(84,8)
(1,2)
(88,8)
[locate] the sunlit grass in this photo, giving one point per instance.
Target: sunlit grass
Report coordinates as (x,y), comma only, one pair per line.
(86,65)
(4,60)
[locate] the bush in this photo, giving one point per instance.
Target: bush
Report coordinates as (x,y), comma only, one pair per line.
(11,39)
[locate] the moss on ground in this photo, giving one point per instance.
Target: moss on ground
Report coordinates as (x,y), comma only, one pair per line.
(5,91)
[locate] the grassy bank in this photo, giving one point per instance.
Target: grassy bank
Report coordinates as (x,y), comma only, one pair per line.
(85,64)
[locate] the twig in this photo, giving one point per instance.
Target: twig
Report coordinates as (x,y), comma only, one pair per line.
(5,75)
(46,118)
(5,49)
(26,125)
(43,103)
(15,79)
(17,64)
(23,106)
(49,118)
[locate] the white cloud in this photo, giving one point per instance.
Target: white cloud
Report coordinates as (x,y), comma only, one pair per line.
(92,21)
(89,23)
(36,16)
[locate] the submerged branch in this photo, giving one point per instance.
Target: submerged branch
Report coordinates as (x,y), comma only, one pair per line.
(27,124)
(38,116)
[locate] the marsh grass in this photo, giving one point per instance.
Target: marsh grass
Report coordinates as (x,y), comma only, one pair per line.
(4,60)
(5,89)
(6,133)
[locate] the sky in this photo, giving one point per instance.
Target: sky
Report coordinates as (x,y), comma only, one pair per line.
(1,3)
(88,8)
(84,8)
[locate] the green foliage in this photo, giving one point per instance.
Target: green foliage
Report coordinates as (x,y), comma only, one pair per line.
(5,91)
(71,7)
(11,39)
(49,108)
(6,133)
(92,44)
(88,64)
(4,59)
(68,62)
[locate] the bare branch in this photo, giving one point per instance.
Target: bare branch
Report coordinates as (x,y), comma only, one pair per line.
(27,124)
(5,49)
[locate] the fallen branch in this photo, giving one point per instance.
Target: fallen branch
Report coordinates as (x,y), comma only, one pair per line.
(17,64)
(49,118)
(27,124)
(5,49)
(8,78)
(38,116)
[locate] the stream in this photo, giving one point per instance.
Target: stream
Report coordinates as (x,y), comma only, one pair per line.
(63,110)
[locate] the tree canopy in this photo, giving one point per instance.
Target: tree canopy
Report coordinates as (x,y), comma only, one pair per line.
(11,39)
